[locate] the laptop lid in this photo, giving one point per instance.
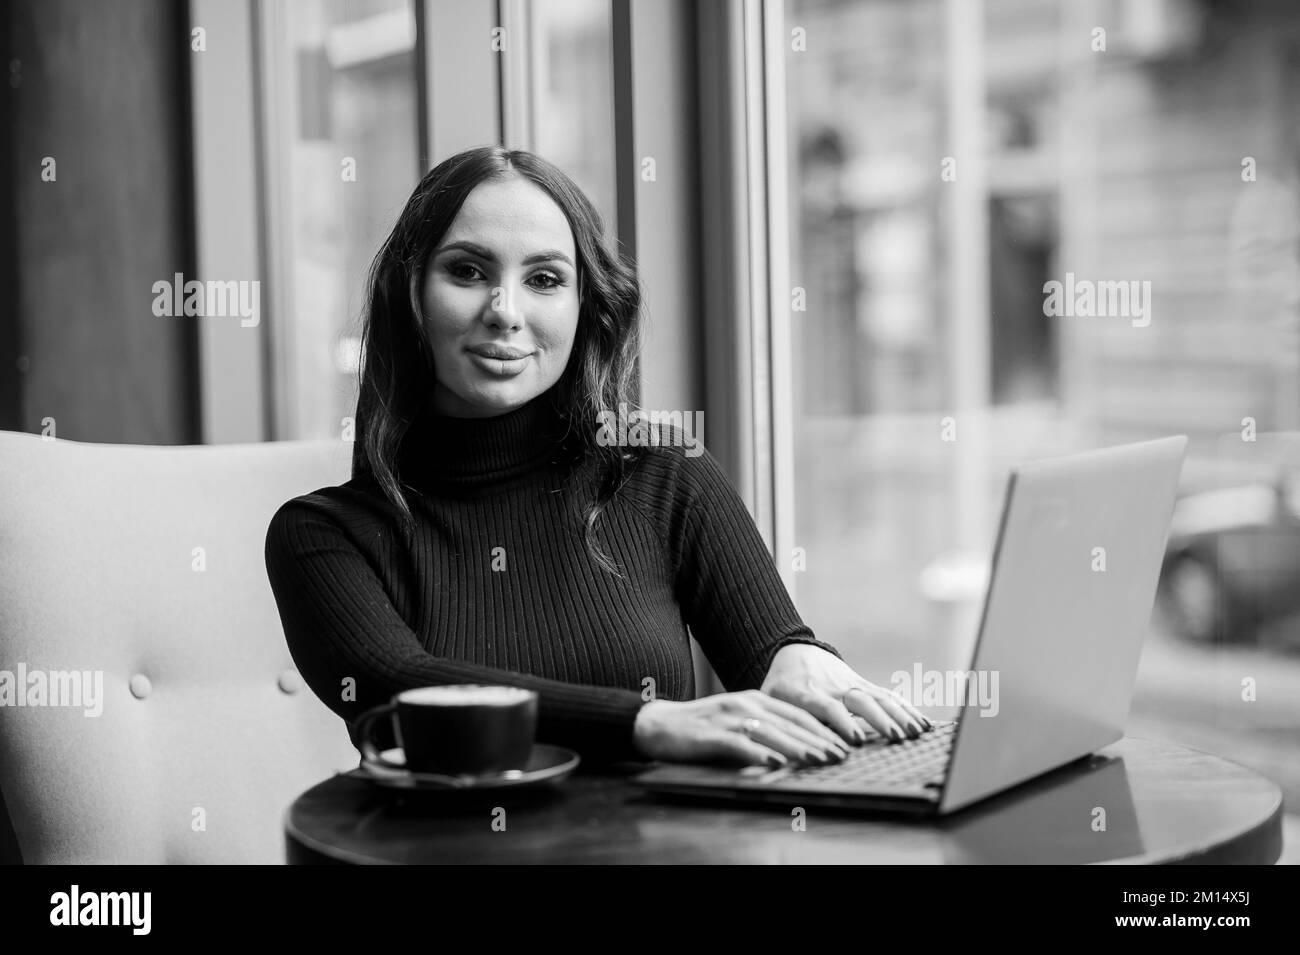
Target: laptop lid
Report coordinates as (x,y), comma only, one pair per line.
(1068,604)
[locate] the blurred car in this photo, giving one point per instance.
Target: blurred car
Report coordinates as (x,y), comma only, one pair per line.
(1232,564)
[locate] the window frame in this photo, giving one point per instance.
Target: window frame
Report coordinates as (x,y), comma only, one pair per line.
(234,375)
(746,252)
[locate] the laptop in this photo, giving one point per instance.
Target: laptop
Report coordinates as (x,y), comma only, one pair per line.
(1068,602)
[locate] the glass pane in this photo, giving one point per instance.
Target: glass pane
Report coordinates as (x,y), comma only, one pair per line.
(870,350)
(343,160)
(1151,168)
(573,94)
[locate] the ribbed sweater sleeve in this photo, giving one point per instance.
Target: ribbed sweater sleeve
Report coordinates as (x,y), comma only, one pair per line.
(726,580)
(342,630)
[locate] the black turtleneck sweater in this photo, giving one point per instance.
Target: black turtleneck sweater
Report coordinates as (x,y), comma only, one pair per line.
(498,586)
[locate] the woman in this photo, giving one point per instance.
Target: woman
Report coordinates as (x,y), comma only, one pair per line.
(489,535)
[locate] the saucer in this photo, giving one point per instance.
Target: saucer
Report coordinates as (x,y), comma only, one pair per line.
(545,764)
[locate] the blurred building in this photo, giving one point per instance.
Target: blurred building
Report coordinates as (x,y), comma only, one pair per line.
(948,161)
(1149,142)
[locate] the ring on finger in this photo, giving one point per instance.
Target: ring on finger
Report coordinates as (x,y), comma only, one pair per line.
(750,726)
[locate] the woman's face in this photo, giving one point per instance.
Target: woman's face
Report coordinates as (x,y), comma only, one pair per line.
(500,300)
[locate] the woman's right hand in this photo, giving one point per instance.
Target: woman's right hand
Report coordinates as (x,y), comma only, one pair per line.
(749,727)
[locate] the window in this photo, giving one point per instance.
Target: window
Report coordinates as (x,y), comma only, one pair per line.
(926,303)
(342,156)
(873,501)
(573,90)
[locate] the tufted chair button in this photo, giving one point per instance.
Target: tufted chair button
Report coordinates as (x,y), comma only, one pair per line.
(289,681)
(140,686)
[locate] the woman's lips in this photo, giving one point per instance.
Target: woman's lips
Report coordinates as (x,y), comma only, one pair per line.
(500,367)
(497,350)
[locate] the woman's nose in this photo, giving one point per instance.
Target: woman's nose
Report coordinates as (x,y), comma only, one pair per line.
(503,311)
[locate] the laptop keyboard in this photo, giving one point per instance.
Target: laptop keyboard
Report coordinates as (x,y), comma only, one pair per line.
(910,763)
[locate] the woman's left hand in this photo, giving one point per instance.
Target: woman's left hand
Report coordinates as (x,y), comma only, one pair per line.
(828,688)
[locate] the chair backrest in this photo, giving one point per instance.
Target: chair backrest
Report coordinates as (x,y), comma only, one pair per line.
(142,567)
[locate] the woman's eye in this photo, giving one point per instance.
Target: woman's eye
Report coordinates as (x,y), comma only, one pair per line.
(550,279)
(457,269)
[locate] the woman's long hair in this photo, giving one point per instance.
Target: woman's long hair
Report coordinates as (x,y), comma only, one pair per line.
(397,372)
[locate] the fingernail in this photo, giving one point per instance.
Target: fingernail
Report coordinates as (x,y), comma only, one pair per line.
(859,735)
(775,761)
(894,732)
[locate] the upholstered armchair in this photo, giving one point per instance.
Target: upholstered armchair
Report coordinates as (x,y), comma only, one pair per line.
(144,565)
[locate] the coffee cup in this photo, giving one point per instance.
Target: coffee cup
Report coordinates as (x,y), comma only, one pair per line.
(456,729)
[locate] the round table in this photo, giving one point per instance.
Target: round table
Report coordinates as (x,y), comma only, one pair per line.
(1137,801)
